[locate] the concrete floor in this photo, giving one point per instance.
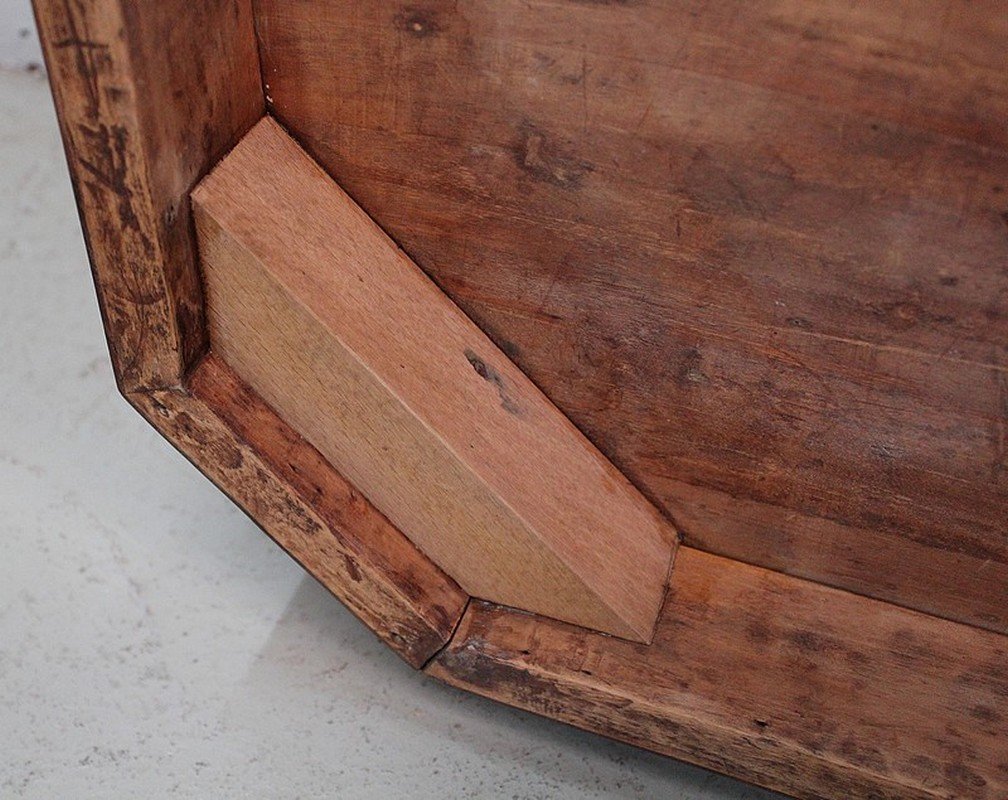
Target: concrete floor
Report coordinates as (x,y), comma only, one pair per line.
(153,642)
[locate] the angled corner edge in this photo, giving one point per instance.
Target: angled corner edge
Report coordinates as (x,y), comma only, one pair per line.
(275,477)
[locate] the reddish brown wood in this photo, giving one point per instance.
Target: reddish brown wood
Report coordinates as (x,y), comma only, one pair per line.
(797,687)
(310,510)
(149,98)
(757,252)
(332,324)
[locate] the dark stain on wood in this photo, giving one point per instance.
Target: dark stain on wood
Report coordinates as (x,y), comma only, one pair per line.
(495,379)
(985,714)
(691,368)
(352,570)
(109,170)
(417,22)
(544,159)
(85,52)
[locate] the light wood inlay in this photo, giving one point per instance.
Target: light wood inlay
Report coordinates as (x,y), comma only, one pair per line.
(313,305)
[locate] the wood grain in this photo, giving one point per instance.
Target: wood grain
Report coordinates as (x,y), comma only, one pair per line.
(794,686)
(149,97)
(757,252)
(310,510)
(332,324)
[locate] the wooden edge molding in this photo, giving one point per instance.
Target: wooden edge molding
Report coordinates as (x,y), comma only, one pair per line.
(149,96)
(349,341)
(784,683)
(304,505)
(769,678)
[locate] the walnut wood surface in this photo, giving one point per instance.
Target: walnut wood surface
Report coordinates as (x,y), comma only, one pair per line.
(794,686)
(758,252)
(313,305)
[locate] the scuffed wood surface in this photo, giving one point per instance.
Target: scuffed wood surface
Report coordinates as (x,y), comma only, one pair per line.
(794,343)
(149,96)
(308,508)
(784,683)
(327,320)
(757,252)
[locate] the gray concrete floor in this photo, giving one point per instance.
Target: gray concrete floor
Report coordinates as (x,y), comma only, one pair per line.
(153,642)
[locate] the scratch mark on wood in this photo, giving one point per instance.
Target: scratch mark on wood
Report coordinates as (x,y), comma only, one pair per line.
(494,378)
(84,49)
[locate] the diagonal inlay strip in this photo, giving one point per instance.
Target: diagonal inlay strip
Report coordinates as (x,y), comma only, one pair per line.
(334,326)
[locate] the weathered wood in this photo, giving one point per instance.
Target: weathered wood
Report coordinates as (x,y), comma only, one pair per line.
(283,483)
(149,96)
(312,304)
(794,686)
(756,252)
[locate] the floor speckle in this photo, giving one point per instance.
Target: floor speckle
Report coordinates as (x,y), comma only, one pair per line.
(153,643)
